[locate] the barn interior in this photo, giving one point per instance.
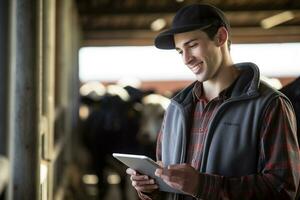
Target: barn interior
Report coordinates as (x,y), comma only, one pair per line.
(50,119)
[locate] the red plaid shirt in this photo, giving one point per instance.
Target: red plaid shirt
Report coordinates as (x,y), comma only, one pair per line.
(279,154)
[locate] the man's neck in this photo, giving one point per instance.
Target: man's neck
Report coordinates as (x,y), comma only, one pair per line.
(224,78)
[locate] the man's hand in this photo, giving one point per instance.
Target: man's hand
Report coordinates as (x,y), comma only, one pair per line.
(182,177)
(142,183)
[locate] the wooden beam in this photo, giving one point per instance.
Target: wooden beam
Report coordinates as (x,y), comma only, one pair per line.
(152,6)
(145,38)
(143,20)
(259,35)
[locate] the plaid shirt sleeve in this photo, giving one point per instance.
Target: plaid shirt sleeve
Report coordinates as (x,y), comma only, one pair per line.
(279,160)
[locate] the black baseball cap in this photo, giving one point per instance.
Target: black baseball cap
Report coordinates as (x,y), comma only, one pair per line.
(189,18)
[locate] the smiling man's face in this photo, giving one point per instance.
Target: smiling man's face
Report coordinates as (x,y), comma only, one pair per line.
(199,53)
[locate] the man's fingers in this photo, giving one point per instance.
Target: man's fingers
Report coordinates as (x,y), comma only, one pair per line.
(130,171)
(158,172)
(147,188)
(139,177)
(160,163)
(173,170)
(183,177)
(171,178)
(163,172)
(143,183)
(167,172)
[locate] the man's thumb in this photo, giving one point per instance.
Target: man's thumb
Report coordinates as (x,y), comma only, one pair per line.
(160,163)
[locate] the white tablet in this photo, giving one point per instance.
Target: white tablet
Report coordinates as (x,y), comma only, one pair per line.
(147,166)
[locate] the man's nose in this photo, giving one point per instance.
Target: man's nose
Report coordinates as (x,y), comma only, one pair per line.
(187,57)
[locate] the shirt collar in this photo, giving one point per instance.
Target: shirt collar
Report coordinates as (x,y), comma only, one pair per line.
(224,94)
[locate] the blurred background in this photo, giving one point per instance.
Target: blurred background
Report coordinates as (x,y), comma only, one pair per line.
(81,79)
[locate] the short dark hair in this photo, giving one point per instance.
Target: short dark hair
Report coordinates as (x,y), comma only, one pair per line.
(211,32)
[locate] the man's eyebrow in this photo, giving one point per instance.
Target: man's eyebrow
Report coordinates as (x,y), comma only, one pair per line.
(191,40)
(186,43)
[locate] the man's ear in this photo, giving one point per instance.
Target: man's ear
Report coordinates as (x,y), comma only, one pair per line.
(222,36)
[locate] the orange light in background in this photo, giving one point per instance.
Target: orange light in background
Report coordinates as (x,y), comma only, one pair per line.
(90,179)
(113,179)
(84,112)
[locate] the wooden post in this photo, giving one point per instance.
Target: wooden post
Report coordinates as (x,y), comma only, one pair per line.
(24,102)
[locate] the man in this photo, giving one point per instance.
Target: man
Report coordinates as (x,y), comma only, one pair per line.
(228,135)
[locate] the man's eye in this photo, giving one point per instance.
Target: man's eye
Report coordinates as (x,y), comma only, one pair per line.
(193,45)
(180,52)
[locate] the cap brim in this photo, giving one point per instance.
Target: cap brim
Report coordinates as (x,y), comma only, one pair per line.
(165,40)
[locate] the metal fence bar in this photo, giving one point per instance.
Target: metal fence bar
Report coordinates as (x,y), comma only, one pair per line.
(24,102)
(3,75)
